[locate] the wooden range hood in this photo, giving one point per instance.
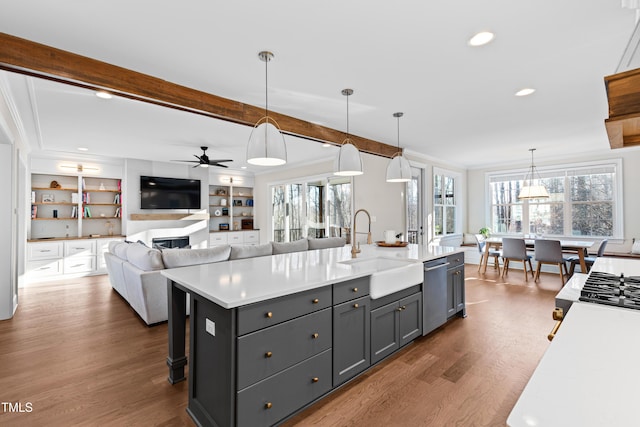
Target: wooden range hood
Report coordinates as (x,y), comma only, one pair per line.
(623,94)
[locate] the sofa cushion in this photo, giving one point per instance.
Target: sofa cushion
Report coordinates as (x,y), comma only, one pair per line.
(183,257)
(144,258)
(287,247)
(327,242)
(120,250)
(112,246)
(250,251)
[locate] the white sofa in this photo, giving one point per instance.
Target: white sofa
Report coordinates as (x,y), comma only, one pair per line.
(135,269)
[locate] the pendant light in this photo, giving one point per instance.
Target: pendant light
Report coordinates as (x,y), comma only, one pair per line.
(398,169)
(348,161)
(266,145)
(531,188)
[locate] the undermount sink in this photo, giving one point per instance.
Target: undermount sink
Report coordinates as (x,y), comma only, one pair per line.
(387,275)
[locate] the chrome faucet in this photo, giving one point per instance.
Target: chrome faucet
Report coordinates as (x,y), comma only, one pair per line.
(354,250)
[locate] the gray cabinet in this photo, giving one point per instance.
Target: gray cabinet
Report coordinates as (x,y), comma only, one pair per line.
(455,285)
(351,345)
(394,325)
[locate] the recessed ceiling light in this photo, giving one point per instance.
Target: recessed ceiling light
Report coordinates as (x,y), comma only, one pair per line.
(243,167)
(83,149)
(481,38)
(524,92)
(103,94)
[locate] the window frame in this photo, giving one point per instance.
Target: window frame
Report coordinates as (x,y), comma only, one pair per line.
(458,205)
(566,171)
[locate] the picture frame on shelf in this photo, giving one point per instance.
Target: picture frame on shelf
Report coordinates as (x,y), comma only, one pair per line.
(221,192)
(47,198)
(223,227)
(237,202)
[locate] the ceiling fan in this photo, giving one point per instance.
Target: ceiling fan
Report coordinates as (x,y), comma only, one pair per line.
(205,162)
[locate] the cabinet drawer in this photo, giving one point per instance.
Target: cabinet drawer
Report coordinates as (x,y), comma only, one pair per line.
(268,351)
(351,289)
(45,250)
(217,239)
(251,237)
(44,268)
(455,260)
(268,313)
(234,237)
(269,401)
(79,247)
(79,264)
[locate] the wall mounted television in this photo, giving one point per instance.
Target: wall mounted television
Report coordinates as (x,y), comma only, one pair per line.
(169,193)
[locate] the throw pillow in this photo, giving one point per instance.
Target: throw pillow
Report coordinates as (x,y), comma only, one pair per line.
(173,258)
(327,242)
(250,251)
(288,247)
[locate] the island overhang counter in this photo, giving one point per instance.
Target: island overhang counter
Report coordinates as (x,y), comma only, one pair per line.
(267,323)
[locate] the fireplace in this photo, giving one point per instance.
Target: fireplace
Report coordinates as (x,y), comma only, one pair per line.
(170,242)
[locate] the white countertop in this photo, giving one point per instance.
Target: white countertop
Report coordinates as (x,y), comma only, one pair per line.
(589,375)
(239,282)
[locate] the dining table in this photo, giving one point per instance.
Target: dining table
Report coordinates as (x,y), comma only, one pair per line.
(575,246)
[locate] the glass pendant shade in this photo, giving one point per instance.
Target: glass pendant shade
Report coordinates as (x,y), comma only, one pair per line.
(398,170)
(266,145)
(348,161)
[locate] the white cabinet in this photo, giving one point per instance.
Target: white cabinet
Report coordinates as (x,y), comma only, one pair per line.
(217,239)
(234,237)
(79,248)
(75,257)
(252,236)
(44,250)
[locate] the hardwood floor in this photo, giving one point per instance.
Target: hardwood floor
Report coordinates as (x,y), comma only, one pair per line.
(81,356)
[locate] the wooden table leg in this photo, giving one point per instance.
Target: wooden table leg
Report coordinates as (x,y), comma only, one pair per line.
(583,265)
(177,332)
(486,257)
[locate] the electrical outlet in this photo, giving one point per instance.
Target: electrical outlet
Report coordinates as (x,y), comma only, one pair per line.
(210,326)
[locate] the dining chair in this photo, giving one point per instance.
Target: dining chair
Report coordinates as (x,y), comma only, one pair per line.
(549,252)
(496,254)
(515,250)
(588,260)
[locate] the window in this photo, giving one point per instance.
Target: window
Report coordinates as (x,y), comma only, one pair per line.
(445,203)
(584,200)
(311,208)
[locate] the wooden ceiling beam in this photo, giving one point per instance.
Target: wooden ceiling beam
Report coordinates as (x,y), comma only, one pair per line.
(38,60)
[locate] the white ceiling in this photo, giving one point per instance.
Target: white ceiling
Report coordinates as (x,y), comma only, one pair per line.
(409,56)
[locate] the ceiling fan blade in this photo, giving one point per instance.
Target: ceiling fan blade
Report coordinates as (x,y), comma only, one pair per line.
(219,161)
(219,165)
(188,161)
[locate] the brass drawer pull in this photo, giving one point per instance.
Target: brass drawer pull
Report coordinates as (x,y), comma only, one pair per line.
(268,405)
(268,354)
(315,379)
(314,336)
(269,314)
(402,308)
(355,289)
(315,301)
(355,305)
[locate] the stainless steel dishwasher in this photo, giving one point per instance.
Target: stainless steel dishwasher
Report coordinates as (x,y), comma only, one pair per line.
(434,294)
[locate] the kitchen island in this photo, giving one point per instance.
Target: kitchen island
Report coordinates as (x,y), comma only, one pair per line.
(271,335)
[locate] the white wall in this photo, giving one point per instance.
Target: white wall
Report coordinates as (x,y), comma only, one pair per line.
(198,231)
(477,194)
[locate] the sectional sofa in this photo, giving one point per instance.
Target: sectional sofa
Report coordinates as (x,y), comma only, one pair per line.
(135,270)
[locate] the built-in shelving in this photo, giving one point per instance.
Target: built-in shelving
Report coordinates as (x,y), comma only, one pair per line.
(71,206)
(229,205)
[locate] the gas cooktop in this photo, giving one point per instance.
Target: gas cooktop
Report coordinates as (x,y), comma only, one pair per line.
(611,289)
